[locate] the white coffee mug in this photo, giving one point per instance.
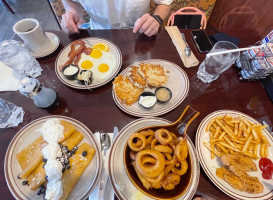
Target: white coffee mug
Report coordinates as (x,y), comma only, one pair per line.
(34,37)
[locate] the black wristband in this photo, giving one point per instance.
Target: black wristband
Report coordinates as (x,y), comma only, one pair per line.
(159,19)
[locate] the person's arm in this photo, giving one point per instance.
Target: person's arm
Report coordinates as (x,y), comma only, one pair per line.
(147,24)
(72,17)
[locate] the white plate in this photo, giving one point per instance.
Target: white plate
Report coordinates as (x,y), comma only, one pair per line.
(55,43)
(178,82)
(210,165)
(62,58)
(26,136)
(120,181)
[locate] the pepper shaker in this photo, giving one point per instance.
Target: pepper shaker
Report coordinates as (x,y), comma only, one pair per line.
(43,97)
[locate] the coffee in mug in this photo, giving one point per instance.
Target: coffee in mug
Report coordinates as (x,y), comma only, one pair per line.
(33,36)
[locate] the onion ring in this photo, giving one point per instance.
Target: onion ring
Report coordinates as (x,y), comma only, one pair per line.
(163,136)
(181,150)
(143,180)
(150,171)
(163,148)
(148,159)
(183,168)
(136,146)
(170,181)
(157,179)
(155,185)
(153,143)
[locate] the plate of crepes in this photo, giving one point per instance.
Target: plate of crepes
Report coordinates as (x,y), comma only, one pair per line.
(53,157)
(235,151)
(150,88)
(176,180)
(88,63)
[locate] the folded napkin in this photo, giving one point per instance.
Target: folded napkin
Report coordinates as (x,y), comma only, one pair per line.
(8,81)
(180,45)
(108,191)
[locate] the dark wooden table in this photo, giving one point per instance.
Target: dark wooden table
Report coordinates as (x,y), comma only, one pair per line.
(98,111)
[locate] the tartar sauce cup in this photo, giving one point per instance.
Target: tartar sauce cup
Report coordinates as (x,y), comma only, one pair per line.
(147,100)
(70,71)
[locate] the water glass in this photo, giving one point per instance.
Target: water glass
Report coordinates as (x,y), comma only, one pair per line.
(17,57)
(211,68)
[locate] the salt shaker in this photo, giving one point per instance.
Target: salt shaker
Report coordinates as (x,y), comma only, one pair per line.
(43,97)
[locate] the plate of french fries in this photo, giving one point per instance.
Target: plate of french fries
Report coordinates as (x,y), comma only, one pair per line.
(228,143)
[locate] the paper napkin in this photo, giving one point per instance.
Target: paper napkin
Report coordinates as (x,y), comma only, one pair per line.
(108,191)
(8,82)
(180,46)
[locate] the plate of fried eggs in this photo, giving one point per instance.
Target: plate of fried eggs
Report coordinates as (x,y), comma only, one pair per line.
(103,59)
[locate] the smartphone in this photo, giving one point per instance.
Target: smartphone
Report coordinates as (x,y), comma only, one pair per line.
(201,41)
(187,21)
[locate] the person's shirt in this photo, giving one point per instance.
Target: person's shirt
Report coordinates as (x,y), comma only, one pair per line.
(116,14)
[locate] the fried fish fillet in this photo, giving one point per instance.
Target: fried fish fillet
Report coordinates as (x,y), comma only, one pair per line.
(125,90)
(234,172)
(240,180)
(238,161)
(155,75)
(136,78)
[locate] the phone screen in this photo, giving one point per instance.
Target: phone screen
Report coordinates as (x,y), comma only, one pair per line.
(187,21)
(202,41)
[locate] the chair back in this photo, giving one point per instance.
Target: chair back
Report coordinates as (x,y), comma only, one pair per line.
(194,17)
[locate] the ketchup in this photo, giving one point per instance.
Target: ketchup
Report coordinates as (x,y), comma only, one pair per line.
(266,166)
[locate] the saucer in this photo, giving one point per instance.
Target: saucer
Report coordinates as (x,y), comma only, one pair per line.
(55,43)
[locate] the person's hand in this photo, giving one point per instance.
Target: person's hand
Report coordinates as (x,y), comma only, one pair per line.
(70,22)
(147,25)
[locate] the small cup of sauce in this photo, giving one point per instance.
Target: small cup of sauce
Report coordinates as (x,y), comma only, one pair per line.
(85,76)
(70,71)
(147,100)
(163,94)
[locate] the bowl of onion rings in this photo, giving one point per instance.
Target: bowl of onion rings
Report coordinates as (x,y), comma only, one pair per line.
(158,162)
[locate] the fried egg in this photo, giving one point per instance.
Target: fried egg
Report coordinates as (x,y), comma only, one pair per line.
(100,63)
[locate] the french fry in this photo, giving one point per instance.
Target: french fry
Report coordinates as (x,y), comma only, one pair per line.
(208,127)
(212,146)
(229,142)
(236,135)
(247,143)
(216,153)
(222,148)
(216,132)
(225,128)
(262,150)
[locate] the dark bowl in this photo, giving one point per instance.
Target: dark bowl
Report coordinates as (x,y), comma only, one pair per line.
(146,94)
(168,90)
(82,82)
(177,192)
(71,76)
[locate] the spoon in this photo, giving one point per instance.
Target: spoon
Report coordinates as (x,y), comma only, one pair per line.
(187,49)
(84,26)
(105,142)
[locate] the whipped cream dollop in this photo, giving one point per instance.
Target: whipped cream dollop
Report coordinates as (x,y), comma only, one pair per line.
(52,132)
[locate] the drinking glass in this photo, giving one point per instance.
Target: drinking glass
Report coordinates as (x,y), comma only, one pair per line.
(17,57)
(211,68)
